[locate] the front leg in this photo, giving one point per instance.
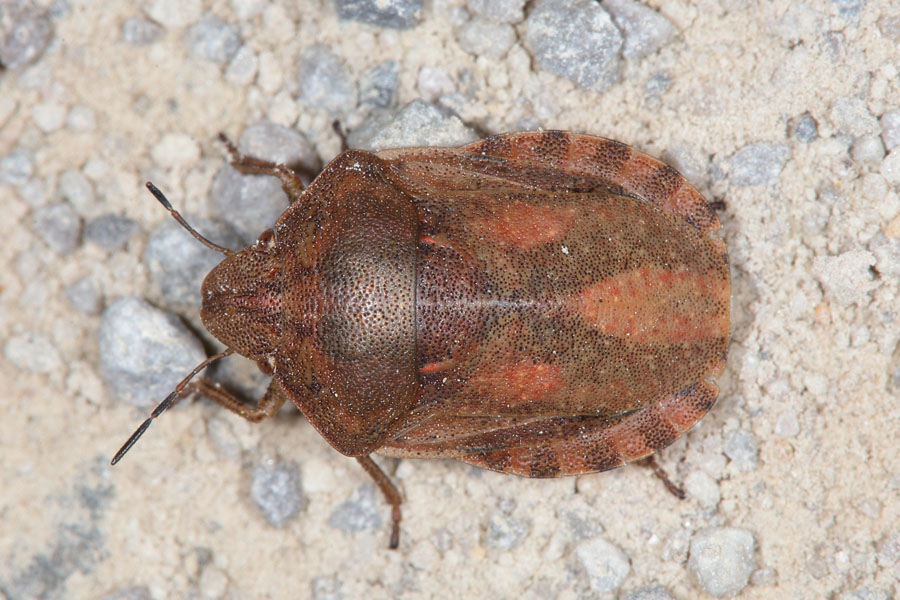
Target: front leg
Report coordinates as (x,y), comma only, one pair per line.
(267,406)
(248,165)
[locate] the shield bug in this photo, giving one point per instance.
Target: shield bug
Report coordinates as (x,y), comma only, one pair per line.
(542,304)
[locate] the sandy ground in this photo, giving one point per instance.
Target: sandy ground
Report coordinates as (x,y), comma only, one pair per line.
(800,451)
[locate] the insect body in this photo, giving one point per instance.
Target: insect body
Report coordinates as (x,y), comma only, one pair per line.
(542,304)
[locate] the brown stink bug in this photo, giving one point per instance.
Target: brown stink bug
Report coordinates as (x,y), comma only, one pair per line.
(542,304)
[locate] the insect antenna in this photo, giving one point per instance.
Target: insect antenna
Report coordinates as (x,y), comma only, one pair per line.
(177,216)
(165,404)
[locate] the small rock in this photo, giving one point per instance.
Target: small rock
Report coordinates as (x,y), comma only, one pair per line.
(850,10)
(213,583)
(140,32)
(686,161)
(59,226)
(890,167)
(32,351)
(576,40)
(110,231)
(74,187)
(889,549)
(278,144)
(175,13)
(890,129)
(378,85)
(676,547)
(699,485)
(499,11)
(852,116)
(277,492)
(763,577)
(505,532)
(867,150)
(646,31)
(247,9)
(323,81)
(179,263)
(606,565)
(136,592)
(242,68)
(213,39)
(16,167)
(865,594)
(357,514)
(175,150)
(485,38)
(49,116)
(250,204)
(741,447)
(84,295)
(787,425)
(806,130)
(396,14)
(758,164)
(145,352)
(650,592)
(889,26)
(416,124)
(434,82)
(326,588)
(721,559)
(81,118)
(847,277)
(658,84)
(25,32)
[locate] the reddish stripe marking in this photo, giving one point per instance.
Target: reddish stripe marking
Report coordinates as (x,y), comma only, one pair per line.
(519,383)
(528,226)
(652,304)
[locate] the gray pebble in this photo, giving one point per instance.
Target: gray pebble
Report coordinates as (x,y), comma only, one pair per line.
(32,351)
(416,124)
(136,592)
(766,577)
(889,549)
(658,84)
(741,447)
(326,588)
(59,226)
(396,14)
(758,164)
(213,39)
(267,141)
(242,68)
(890,129)
(110,231)
(867,150)
(324,83)
(378,85)
(499,11)
(25,32)
(606,565)
(75,187)
(850,10)
(505,532)
(787,425)
(179,263)
(721,559)
(575,39)
(16,167)
(139,32)
(865,594)
(145,352)
(485,38)
(852,116)
(650,592)
(250,204)
(277,492)
(806,129)
(85,296)
(34,193)
(645,30)
(357,514)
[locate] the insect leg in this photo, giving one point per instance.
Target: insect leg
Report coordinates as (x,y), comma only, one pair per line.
(391,494)
(248,165)
(651,463)
(267,406)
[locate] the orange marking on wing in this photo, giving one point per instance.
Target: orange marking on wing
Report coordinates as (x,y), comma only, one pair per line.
(528,226)
(438,366)
(520,383)
(653,304)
